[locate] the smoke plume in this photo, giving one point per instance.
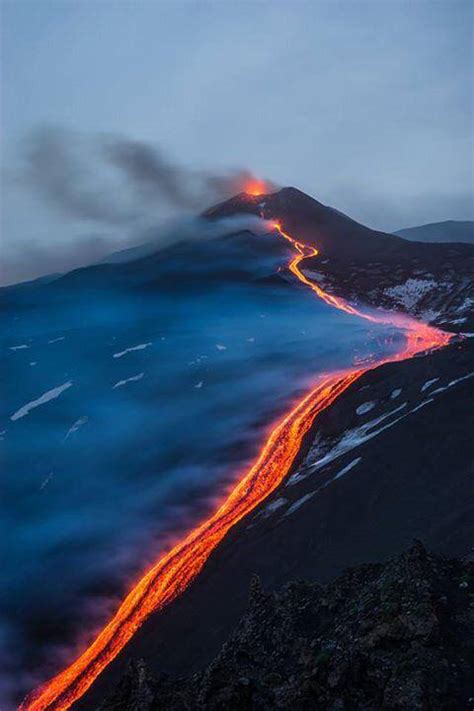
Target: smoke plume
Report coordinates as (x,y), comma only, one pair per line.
(101,193)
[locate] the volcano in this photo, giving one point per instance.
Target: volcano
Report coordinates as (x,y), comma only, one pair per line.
(434,282)
(310,222)
(347,475)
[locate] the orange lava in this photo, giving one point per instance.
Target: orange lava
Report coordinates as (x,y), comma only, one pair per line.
(419,336)
(169,577)
(255,187)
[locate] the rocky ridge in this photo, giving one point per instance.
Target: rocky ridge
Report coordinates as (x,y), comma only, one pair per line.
(397,635)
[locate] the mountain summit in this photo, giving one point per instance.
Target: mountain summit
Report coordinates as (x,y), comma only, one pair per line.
(309,221)
(433,282)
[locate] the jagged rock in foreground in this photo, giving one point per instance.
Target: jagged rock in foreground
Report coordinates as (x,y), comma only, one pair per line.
(398,635)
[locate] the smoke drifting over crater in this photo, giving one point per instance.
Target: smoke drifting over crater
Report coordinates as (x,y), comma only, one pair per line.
(106,191)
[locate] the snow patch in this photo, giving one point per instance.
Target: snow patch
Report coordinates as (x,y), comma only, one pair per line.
(77,424)
(411,292)
(46,481)
(460,380)
(55,340)
(299,503)
(316,276)
(140,347)
(395,393)
(467,304)
(422,404)
(347,468)
(428,384)
(46,397)
(133,379)
(357,436)
(295,478)
(274,506)
(365,407)
(19,348)
(220,347)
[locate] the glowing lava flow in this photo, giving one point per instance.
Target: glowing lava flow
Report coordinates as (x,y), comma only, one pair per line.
(169,577)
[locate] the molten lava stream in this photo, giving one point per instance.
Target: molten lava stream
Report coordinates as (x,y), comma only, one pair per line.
(175,571)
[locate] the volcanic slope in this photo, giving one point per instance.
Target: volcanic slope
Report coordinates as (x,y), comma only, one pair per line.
(394,462)
(434,282)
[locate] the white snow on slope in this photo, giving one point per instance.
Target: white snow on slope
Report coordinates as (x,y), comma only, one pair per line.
(315,276)
(467,304)
(347,468)
(422,404)
(460,380)
(199,385)
(357,436)
(77,424)
(411,292)
(140,347)
(299,503)
(395,393)
(132,379)
(295,478)
(220,347)
(428,384)
(365,407)
(55,340)
(19,348)
(46,481)
(46,397)
(274,506)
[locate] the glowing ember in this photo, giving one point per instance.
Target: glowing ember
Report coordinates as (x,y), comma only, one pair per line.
(172,574)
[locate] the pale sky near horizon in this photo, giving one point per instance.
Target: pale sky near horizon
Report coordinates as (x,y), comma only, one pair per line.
(367,106)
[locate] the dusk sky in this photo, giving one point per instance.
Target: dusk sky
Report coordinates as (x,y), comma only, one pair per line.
(367,106)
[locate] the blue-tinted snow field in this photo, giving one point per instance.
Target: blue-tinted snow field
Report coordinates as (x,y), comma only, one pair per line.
(134,394)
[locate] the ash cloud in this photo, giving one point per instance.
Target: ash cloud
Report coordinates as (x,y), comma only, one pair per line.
(99,193)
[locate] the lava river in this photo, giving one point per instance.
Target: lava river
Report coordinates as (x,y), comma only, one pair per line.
(174,571)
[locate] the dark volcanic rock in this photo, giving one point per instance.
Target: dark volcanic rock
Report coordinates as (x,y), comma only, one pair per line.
(393,636)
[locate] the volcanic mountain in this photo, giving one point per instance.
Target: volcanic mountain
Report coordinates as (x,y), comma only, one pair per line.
(434,282)
(390,460)
(311,222)
(374,455)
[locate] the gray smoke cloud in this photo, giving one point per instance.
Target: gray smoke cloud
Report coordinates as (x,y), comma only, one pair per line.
(150,174)
(103,193)
(54,168)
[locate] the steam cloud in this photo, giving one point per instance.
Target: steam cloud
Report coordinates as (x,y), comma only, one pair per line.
(108,190)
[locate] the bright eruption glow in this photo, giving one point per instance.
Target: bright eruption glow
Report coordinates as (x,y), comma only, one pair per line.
(256,187)
(172,574)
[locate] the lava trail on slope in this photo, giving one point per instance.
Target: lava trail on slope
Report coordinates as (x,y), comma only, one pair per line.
(173,572)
